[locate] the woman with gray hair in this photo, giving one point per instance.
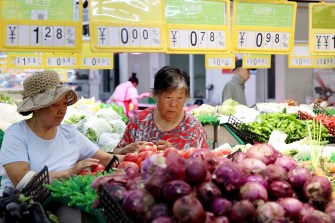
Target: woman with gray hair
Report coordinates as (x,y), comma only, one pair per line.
(42,140)
(167,124)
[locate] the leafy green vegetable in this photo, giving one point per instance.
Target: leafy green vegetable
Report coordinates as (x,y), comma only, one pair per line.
(74,119)
(332,157)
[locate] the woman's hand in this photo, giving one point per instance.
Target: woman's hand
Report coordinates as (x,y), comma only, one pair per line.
(78,167)
(162,145)
(133,147)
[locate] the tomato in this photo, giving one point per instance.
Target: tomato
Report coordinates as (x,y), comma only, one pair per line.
(218,153)
(147,147)
(97,168)
(145,154)
(181,153)
(84,172)
(169,150)
(139,162)
(225,151)
(189,151)
(132,157)
(125,164)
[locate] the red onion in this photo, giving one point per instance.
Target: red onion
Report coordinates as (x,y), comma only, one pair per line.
(207,192)
(254,192)
(195,171)
(315,216)
(228,176)
(210,218)
(252,165)
(151,164)
(207,156)
(257,179)
(263,152)
(175,189)
(158,210)
(280,189)
(318,191)
(221,160)
(118,193)
(189,209)
(132,171)
(163,220)
(297,176)
(274,172)
(292,207)
(243,211)
(286,162)
(270,212)
(238,157)
(136,204)
(175,169)
(136,183)
(221,206)
(330,207)
(155,183)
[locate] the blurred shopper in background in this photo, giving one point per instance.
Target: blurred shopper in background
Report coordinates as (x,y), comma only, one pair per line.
(167,124)
(234,88)
(126,95)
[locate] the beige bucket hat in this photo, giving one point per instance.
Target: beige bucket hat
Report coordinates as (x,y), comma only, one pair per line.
(43,89)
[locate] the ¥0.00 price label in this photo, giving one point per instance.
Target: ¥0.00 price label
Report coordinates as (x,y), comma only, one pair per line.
(129,37)
(193,39)
(324,43)
(254,40)
(96,62)
(226,61)
(61,61)
(301,61)
(26,61)
(32,36)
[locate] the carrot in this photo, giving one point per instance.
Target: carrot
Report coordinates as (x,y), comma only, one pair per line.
(318,171)
(306,163)
(331,167)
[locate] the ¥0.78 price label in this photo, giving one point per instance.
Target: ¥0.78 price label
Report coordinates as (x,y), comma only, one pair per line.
(130,37)
(96,62)
(201,39)
(263,41)
(32,36)
(61,61)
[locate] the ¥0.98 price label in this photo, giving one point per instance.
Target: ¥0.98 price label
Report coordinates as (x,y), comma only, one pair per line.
(32,36)
(128,37)
(192,39)
(263,41)
(61,62)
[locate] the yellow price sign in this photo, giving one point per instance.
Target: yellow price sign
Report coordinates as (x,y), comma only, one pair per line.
(198,27)
(256,60)
(264,27)
(95,60)
(119,26)
(61,61)
(29,26)
(322,28)
(25,61)
(221,61)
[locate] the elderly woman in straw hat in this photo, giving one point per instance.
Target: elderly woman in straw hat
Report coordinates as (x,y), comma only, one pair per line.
(42,140)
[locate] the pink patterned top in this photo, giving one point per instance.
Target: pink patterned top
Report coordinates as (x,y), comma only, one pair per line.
(189,132)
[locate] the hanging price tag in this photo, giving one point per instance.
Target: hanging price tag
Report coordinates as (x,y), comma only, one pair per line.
(198,27)
(260,26)
(324,61)
(256,61)
(24,61)
(41,25)
(221,61)
(322,28)
(61,61)
(94,60)
(121,26)
(300,58)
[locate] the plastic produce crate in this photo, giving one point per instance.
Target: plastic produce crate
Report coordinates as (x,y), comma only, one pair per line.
(243,131)
(110,209)
(35,187)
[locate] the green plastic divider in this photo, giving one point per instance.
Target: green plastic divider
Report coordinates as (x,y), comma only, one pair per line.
(238,139)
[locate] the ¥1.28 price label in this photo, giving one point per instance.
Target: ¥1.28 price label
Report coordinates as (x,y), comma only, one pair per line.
(28,61)
(202,39)
(96,61)
(220,62)
(32,36)
(263,40)
(257,62)
(121,36)
(324,42)
(301,61)
(61,61)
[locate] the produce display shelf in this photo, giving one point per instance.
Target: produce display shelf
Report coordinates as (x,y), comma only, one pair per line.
(233,133)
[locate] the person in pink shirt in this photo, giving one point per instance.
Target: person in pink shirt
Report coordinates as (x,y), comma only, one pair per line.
(126,93)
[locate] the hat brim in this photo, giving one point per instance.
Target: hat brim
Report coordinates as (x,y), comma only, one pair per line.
(45,99)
